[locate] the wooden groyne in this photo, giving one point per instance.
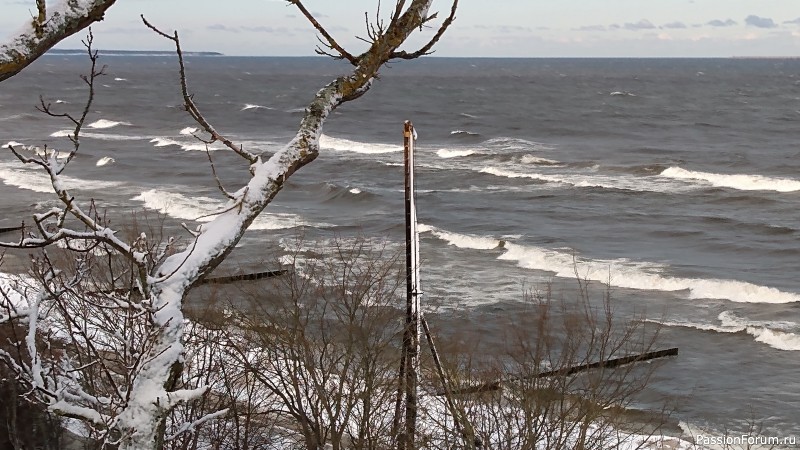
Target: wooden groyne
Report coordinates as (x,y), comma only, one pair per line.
(566,371)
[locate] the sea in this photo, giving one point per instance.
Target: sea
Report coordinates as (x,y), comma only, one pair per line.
(673,185)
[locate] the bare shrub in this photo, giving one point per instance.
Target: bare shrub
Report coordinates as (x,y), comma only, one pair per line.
(322,342)
(529,395)
(126,352)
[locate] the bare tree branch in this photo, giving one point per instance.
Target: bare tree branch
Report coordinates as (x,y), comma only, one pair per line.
(426,49)
(47,30)
(147,381)
(331,42)
(191,107)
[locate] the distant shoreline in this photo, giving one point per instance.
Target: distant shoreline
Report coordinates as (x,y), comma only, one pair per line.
(81,52)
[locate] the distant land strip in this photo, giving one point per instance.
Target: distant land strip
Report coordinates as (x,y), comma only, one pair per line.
(72,52)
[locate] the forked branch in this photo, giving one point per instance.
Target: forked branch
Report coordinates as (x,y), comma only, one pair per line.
(426,49)
(192,108)
(330,42)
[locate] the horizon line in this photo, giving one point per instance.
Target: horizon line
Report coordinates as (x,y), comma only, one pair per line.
(211,53)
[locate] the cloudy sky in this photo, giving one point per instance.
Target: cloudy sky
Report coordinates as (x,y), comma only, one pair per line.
(518,28)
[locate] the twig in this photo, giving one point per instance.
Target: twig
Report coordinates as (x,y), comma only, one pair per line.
(191,107)
(216,178)
(331,42)
(426,49)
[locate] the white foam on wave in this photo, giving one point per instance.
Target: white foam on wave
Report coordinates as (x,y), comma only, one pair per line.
(188,131)
(773,333)
(193,146)
(100,136)
(355,191)
(62,133)
(199,146)
(509,143)
(776,339)
(25,179)
(249,106)
(464,133)
(164,142)
(740,182)
(38,181)
(13,144)
(622,273)
(205,209)
(105,160)
(461,240)
(180,206)
(536,160)
(346,145)
(446,153)
(104,123)
(703,326)
(629,183)
(534,176)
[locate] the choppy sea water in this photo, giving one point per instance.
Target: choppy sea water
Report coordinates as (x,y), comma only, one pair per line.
(677,182)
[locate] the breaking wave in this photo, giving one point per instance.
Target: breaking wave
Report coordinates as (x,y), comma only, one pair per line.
(534,176)
(331,192)
(204,209)
(622,273)
(249,106)
(346,145)
(193,146)
(740,182)
(38,181)
(447,153)
(628,183)
(62,133)
(508,143)
(463,133)
(775,334)
(105,160)
(164,142)
(103,123)
(535,160)
(101,136)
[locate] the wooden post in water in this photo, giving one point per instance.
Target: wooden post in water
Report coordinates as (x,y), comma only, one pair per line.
(408,378)
(411,332)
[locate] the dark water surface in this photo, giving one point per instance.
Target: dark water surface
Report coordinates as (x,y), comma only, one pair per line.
(675,181)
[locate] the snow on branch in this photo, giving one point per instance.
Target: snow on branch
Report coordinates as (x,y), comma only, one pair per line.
(46,29)
(51,225)
(128,344)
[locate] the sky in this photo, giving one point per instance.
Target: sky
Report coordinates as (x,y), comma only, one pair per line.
(485,28)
